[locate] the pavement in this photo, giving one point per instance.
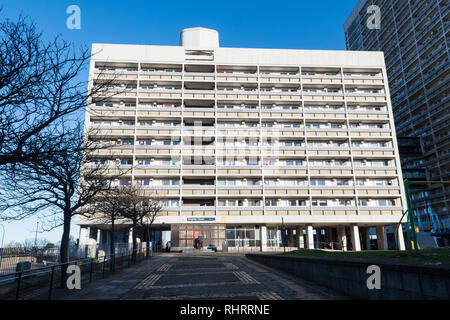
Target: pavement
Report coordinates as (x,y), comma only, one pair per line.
(209,276)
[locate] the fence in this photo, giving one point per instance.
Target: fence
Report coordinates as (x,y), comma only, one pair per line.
(43,257)
(39,283)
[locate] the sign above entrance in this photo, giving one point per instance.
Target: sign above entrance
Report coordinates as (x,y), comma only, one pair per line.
(201,219)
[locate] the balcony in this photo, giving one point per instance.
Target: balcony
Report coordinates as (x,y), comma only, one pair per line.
(199,76)
(160,75)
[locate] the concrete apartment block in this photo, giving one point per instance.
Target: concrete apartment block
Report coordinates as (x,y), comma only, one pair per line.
(414,38)
(244,144)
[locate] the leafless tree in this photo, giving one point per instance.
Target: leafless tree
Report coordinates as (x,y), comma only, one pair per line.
(59,187)
(108,204)
(153,206)
(138,207)
(39,85)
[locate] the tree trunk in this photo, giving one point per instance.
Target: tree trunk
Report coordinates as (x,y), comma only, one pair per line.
(64,248)
(134,254)
(147,249)
(112,250)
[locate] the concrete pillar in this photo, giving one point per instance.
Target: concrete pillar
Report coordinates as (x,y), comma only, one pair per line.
(382,238)
(263,237)
(399,236)
(318,235)
(82,240)
(300,238)
(342,237)
(329,237)
(163,239)
(102,240)
(130,235)
(291,237)
(367,237)
(309,237)
(355,238)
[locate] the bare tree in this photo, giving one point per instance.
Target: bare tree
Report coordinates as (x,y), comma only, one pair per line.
(108,204)
(153,206)
(59,187)
(36,243)
(39,85)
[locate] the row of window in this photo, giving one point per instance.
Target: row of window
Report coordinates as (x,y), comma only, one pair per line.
(239,72)
(254,162)
(246,106)
(296,89)
(243,124)
(268,182)
(292,203)
(230,141)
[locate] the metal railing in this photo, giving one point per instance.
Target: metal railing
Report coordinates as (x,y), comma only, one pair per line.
(40,283)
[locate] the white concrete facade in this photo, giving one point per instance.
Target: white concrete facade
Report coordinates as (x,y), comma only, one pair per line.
(314,142)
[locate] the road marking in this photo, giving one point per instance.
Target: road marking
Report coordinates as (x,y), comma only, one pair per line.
(148,282)
(165,267)
(219,296)
(186,285)
(268,296)
(230,266)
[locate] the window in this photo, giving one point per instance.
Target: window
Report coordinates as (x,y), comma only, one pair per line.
(339,163)
(296,203)
(124,182)
(341,182)
(126,162)
(294,162)
(143,182)
(363,202)
(345,202)
(254,203)
(271,202)
(360,182)
(144,161)
(320,203)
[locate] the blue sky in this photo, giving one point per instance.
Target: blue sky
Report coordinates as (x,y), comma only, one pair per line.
(296,24)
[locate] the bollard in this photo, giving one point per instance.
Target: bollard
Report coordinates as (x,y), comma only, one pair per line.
(18,285)
(103,271)
(90,271)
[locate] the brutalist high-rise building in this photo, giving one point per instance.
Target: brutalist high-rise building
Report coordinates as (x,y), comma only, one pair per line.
(414,37)
(242,144)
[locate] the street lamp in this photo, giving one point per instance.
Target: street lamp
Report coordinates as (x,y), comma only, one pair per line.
(1,247)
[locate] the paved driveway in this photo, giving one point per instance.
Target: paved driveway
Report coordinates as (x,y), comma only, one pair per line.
(201,276)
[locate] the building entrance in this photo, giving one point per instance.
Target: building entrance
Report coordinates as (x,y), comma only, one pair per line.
(185,235)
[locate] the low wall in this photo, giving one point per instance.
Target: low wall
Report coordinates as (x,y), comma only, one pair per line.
(398,281)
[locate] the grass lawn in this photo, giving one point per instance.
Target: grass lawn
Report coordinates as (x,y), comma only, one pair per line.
(422,257)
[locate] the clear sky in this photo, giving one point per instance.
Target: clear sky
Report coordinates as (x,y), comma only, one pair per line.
(298,24)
